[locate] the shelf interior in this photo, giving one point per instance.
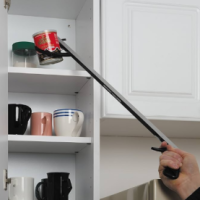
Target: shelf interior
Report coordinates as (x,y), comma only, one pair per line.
(37,165)
(46,144)
(20,29)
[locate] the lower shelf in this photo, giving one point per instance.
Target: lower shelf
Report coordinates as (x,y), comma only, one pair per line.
(46,144)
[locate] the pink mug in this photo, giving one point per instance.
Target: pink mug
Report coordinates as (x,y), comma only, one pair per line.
(41,123)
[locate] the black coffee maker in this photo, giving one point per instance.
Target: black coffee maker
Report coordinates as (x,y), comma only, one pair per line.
(56,187)
(18,125)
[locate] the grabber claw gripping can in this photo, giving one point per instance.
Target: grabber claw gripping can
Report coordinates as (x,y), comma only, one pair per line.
(47,40)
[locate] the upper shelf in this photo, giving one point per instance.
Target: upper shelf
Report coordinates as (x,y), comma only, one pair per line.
(46,144)
(68,9)
(49,81)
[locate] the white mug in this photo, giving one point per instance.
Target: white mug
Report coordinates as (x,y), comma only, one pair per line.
(21,188)
(68,123)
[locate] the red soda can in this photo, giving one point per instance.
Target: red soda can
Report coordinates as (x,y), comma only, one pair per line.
(47,40)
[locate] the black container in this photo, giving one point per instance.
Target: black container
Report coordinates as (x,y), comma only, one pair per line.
(18,126)
(56,187)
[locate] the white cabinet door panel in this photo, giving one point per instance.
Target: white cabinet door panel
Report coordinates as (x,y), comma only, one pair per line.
(150,54)
(3,98)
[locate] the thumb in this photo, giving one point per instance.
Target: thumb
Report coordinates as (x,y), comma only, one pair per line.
(167,146)
(170,148)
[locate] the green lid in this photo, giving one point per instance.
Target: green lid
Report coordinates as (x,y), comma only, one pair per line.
(24,48)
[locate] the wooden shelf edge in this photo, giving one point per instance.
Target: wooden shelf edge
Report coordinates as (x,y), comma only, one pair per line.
(43,71)
(52,139)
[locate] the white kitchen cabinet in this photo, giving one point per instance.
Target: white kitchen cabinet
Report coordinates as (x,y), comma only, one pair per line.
(150,54)
(63,85)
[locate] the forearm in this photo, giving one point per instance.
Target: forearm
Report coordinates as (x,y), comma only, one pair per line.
(195,195)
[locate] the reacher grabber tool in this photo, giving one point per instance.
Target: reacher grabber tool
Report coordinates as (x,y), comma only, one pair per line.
(170,173)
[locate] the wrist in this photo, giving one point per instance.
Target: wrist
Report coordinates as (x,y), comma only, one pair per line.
(188,187)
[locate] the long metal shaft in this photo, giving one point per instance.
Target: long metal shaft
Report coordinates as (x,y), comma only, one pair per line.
(150,126)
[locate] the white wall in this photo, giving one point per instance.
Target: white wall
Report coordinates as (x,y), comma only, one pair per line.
(84,29)
(129,161)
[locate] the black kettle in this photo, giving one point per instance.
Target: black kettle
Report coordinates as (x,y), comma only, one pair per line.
(56,187)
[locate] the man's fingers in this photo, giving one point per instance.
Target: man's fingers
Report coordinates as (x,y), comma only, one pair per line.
(171,159)
(170,148)
(170,164)
(165,145)
(169,154)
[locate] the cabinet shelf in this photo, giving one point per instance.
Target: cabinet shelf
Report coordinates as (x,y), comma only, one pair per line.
(46,144)
(49,81)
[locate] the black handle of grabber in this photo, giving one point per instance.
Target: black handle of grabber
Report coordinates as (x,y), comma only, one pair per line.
(54,54)
(168,172)
(171,173)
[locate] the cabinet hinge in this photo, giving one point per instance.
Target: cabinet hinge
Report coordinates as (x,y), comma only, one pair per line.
(7,4)
(6,180)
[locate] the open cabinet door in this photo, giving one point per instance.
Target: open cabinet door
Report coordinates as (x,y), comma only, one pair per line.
(3,98)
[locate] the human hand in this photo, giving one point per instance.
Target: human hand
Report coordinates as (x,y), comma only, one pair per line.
(189,177)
